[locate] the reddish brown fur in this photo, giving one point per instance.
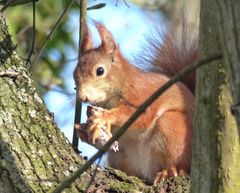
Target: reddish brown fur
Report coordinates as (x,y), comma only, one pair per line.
(87,40)
(161,138)
(171,51)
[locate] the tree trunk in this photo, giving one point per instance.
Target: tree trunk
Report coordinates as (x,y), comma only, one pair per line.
(229,23)
(216,150)
(34,155)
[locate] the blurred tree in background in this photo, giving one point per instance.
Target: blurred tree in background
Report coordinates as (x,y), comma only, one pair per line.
(172,10)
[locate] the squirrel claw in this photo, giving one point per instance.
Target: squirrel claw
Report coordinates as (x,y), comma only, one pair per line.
(164,174)
(172,172)
(93,134)
(97,121)
(160,176)
(95,127)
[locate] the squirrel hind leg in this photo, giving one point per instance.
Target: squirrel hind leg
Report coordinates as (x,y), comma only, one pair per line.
(164,174)
(177,131)
(167,173)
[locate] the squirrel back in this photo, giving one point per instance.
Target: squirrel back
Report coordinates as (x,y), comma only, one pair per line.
(170,50)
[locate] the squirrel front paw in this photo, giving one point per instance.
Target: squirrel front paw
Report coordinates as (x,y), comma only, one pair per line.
(97,130)
(98,121)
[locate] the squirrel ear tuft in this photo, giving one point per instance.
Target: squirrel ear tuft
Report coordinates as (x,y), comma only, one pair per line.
(108,42)
(87,40)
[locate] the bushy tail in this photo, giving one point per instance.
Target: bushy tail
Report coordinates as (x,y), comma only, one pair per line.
(172,50)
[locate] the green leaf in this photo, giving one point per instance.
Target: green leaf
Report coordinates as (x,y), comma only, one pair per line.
(97,6)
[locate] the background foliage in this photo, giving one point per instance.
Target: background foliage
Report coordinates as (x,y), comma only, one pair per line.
(20,19)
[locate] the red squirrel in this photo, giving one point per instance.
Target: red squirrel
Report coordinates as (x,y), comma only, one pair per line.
(159,143)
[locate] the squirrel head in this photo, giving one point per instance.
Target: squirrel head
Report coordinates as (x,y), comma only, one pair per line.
(96,75)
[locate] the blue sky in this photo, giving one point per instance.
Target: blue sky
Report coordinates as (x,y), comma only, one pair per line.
(128,25)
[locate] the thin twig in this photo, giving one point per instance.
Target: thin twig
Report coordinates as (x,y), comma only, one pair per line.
(125,1)
(185,71)
(116,4)
(78,106)
(49,36)
(14,3)
(33,33)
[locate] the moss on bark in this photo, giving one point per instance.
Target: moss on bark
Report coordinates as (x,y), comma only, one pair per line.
(228,22)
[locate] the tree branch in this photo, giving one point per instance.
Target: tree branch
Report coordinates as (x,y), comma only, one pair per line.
(48,37)
(78,106)
(8,3)
(33,33)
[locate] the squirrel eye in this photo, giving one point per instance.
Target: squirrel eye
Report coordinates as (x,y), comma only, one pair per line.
(100,71)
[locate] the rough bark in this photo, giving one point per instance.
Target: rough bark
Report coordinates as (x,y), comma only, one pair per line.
(34,155)
(216,150)
(229,26)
